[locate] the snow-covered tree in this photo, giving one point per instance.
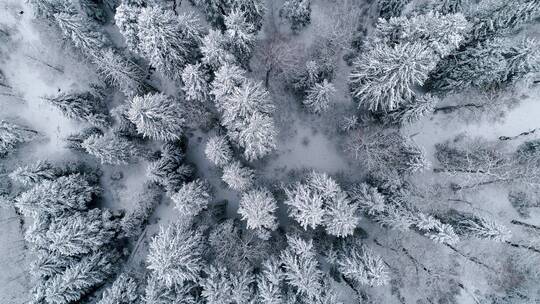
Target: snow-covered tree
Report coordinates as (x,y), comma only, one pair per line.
(120,72)
(168,41)
(319,97)
(297,12)
(12,135)
(47,8)
(449,6)
(192,198)
(301,268)
(170,170)
(359,264)
(65,194)
(122,291)
(224,287)
(369,199)
(81,277)
(133,222)
(244,101)
(82,32)
(195,82)
(258,208)
(157,292)
(227,79)
(111,149)
(341,217)
(126,18)
(33,174)
(82,232)
(214,50)
(384,77)
(87,106)
(157,116)
(257,135)
(74,141)
(175,255)
(305,205)
(270,281)
(414,110)
(240,36)
(218,150)
(480,227)
(237,176)
(391,8)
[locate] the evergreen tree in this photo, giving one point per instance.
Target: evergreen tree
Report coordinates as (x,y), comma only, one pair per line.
(258,208)
(126,18)
(225,287)
(340,218)
(111,149)
(359,264)
(47,8)
(192,198)
(240,36)
(65,194)
(33,174)
(237,177)
(168,41)
(170,170)
(12,135)
(214,50)
(270,282)
(257,135)
(227,79)
(384,77)
(305,205)
(74,141)
(218,150)
(81,277)
(253,10)
(82,232)
(391,8)
(157,116)
(413,111)
(120,72)
(297,12)
(480,227)
(449,6)
(133,222)
(195,83)
(157,292)
(85,106)
(318,97)
(301,268)
(82,32)
(244,101)
(175,255)
(122,291)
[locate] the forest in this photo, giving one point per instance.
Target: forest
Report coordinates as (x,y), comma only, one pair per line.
(269,151)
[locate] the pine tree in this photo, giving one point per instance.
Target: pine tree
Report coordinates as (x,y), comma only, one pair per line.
(359,264)
(269,282)
(111,149)
(413,111)
(384,77)
(238,177)
(33,174)
(253,10)
(168,41)
(218,150)
(481,227)
(319,96)
(449,6)
(391,8)
(82,232)
(12,135)
(81,277)
(126,19)
(257,135)
(74,141)
(305,206)
(157,292)
(340,217)
(240,36)
(195,83)
(227,79)
(85,106)
(297,12)
(157,116)
(170,170)
(65,194)
(258,208)
(369,199)
(223,287)
(214,50)
(135,219)
(47,8)
(82,32)
(48,264)
(120,72)
(244,101)
(175,255)
(301,268)
(192,198)
(122,291)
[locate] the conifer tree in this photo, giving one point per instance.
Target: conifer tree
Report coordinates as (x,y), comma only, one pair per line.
(175,255)
(227,79)
(413,111)
(192,198)
(319,97)
(168,41)
(237,177)
(126,19)
(111,149)
(33,174)
(133,222)
(157,116)
(240,36)
(170,170)
(297,12)
(74,141)
(85,106)
(12,135)
(358,263)
(120,72)
(65,194)
(270,282)
(391,8)
(82,32)
(47,8)
(244,101)
(122,291)
(257,135)
(195,83)
(214,50)
(218,150)
(258,208)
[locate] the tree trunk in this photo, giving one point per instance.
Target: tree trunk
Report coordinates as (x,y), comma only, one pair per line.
(450,109)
